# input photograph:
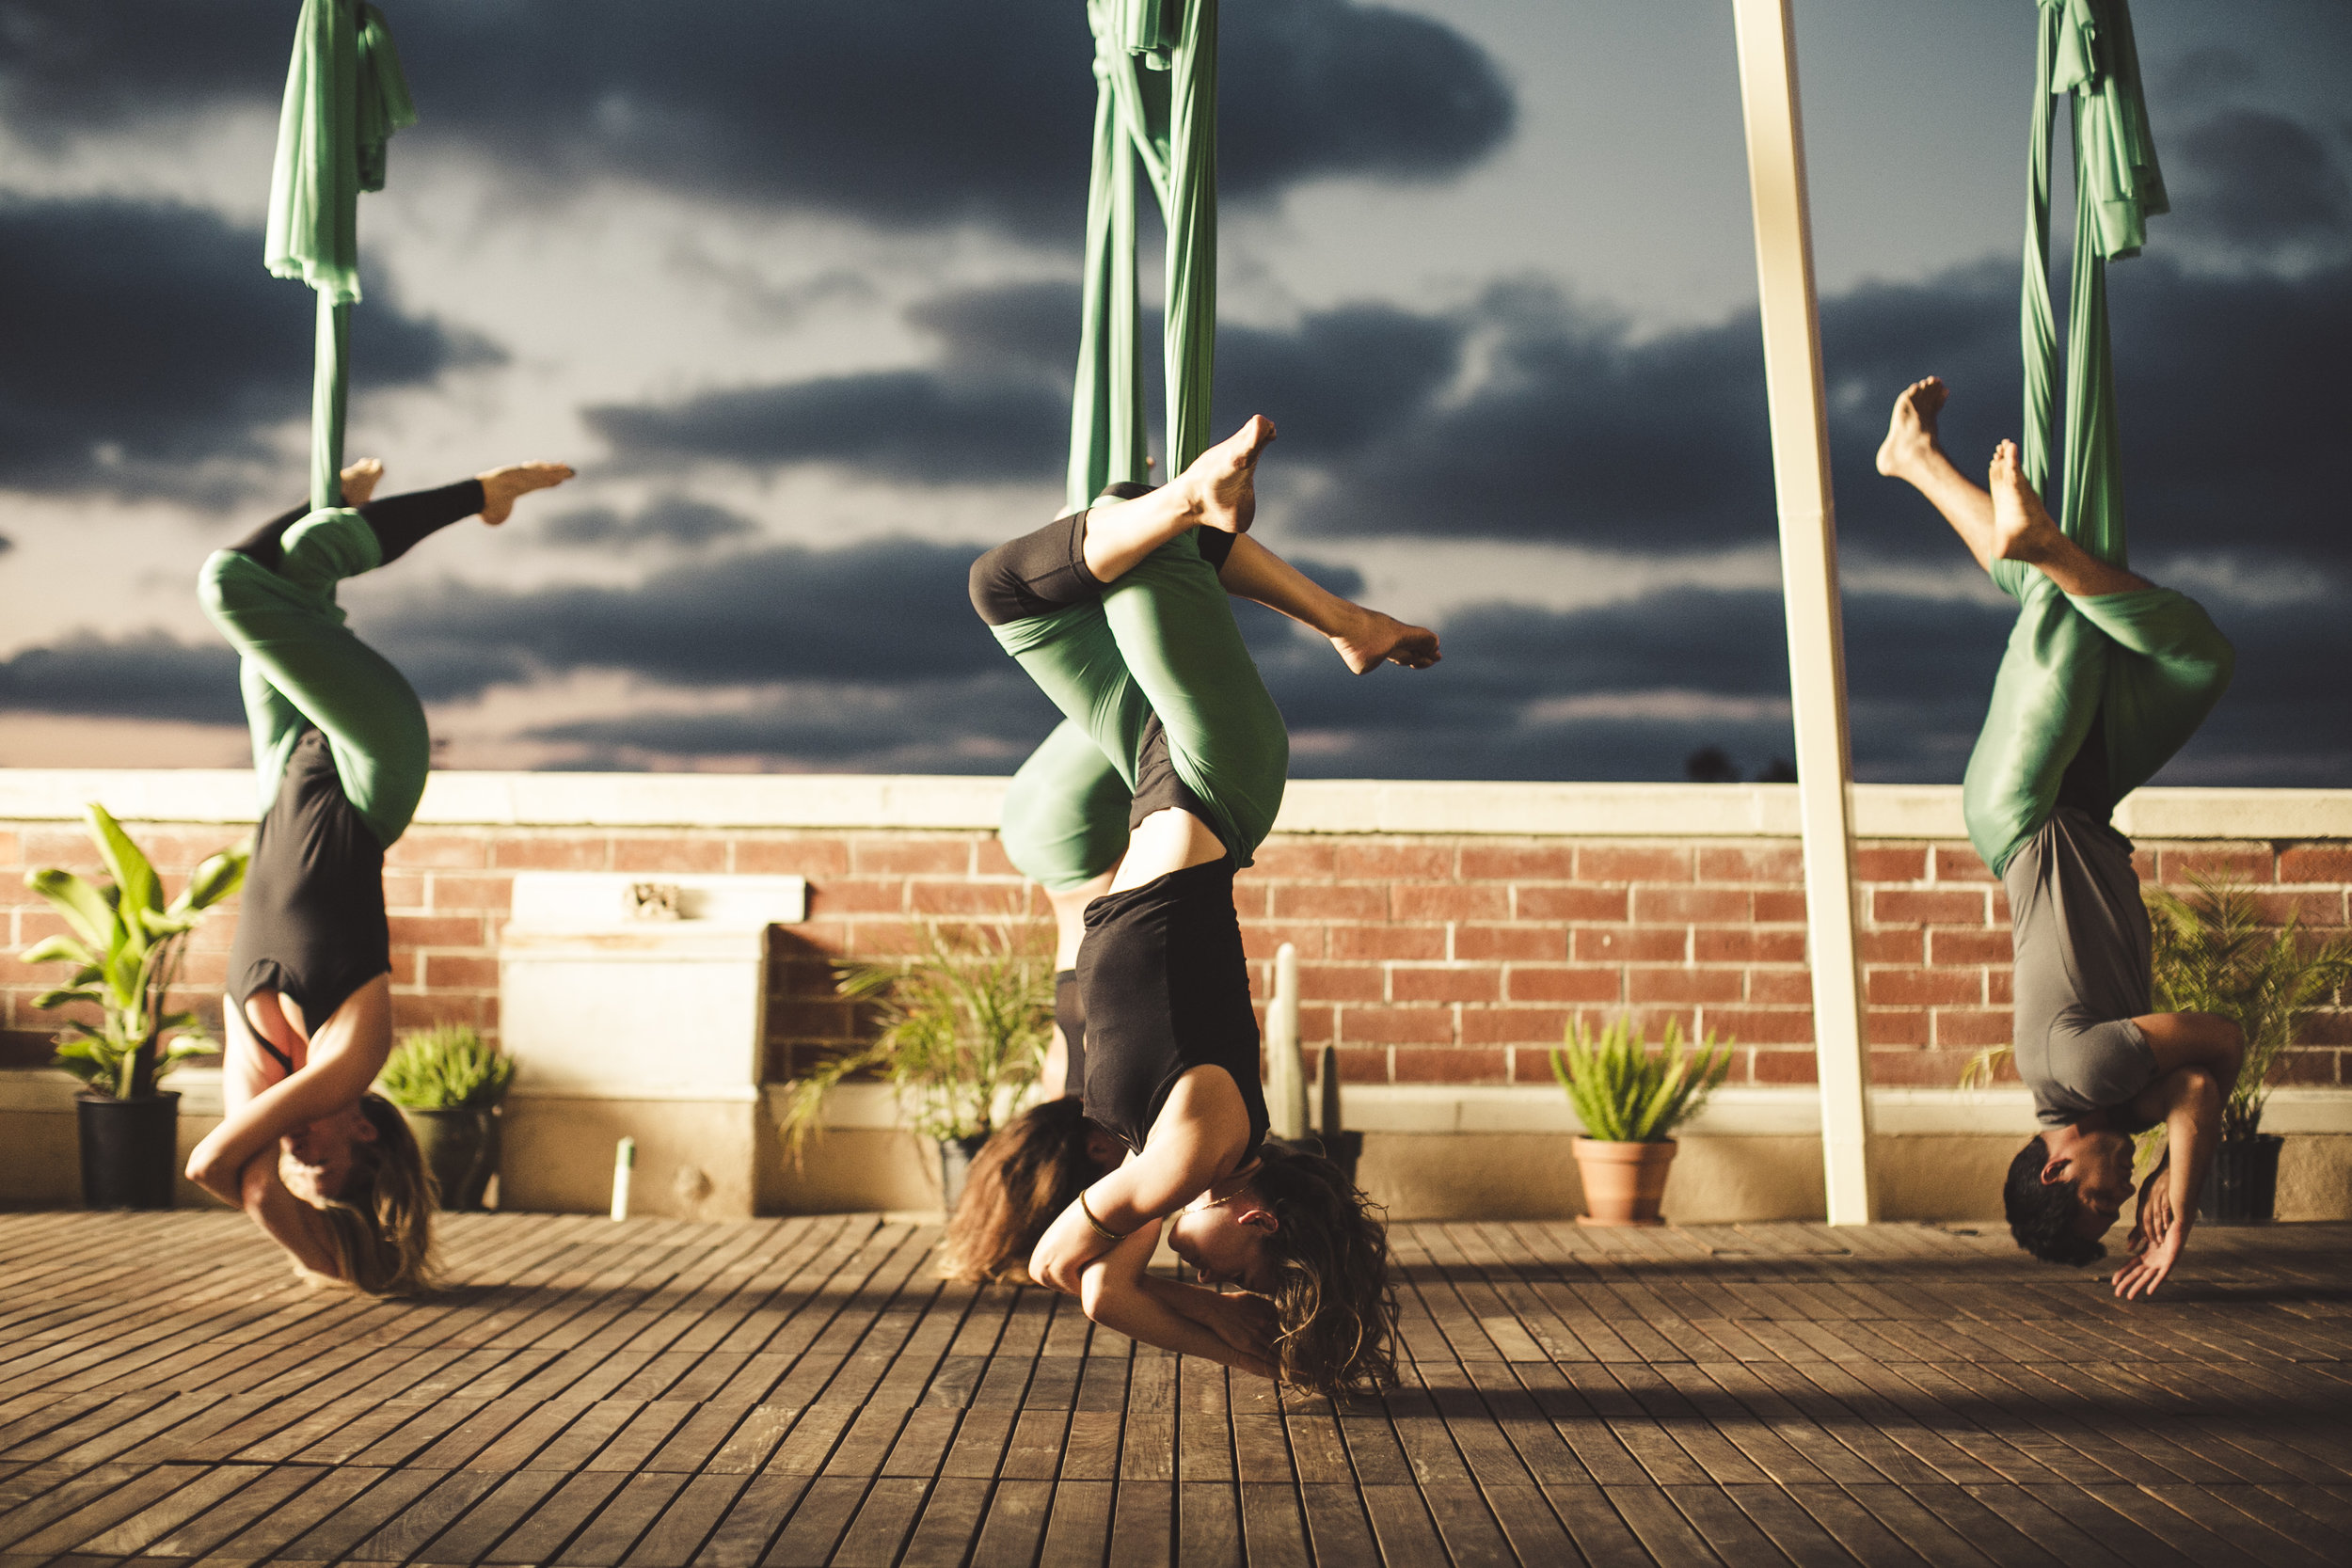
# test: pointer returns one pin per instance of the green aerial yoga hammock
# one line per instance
(344, 98)
(2146, 666)
(1162, 638)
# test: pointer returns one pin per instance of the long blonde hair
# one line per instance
(381, 1223)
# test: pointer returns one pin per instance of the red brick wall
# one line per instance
(1423, 958)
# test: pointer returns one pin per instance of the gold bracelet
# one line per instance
(1100, 1228)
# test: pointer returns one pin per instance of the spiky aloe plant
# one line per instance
(126, 950)
(1623, 1093)
(446, 1068)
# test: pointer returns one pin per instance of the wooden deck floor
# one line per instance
(804, 1391)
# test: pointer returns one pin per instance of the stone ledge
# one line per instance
(946, 803)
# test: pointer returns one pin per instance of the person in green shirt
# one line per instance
(2106, 677)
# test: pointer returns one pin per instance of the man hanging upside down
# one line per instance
(2105, 678)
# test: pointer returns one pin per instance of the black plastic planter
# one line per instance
(461, 1149)
(130, 1150)
(2242, 1185)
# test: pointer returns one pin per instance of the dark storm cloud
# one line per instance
(997, 406)
(687, 523)
(148, 675)
(2263, 180)
(914, 114)
(1582, 435)
(876, 613)
(137, 340)
(982, 724)
(936, 427)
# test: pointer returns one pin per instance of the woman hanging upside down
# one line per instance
(1118, 614)
(2106, 677)
(1065, 827)
(340, 747)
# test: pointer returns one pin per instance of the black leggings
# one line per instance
(398, 521)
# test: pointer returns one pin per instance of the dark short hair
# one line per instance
(2041, 1214)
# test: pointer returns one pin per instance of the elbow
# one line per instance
(2200, 1092)
(1094, 1291)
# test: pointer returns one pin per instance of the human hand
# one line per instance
(2153, 1222)
(2150, 1269)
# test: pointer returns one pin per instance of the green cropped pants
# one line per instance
(1159, 644)
(301, 667)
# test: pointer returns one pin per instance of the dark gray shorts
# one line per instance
(2082, 953)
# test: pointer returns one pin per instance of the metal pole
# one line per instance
(1808, 557)
(1286, 1076)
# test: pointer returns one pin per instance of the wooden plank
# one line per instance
(410, 1532)
(1143, 1522)
(950, 1524)
(692, 1514)
(1014, 1525)
(815, 1525)
(755, 1519)
(625, 1516)
(1077, 1530)
(555, 1518)
(1407, 1536)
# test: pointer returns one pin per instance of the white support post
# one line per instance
(1808, 556)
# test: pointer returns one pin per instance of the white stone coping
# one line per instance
(952, 803)
(1428, 1108)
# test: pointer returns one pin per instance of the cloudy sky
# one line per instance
(794, 286)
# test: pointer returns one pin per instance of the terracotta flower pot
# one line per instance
(1624, 1183)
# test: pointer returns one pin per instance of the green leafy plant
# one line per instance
(446, 1068)
(2212, 955)
(964, 1029)
(126, 948)
(1623, 1093)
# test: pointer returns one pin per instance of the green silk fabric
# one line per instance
(1156, 633)
(301, 667)
(1155, 109)
(2145, 666)
(345, 95)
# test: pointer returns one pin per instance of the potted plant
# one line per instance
(448, 1084)
(1630, 1100)
(963, 1032)
(126, 946)
(2213, 956)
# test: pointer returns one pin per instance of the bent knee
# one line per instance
(997, 587)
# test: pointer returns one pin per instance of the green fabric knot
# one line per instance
(345, 96)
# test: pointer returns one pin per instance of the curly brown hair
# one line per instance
(1027, 1174)
(1335, 1310)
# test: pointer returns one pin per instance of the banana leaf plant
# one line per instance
(126, 948)
(1623, 1093)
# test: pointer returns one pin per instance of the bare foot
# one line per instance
(501, 486)
(1911, 432)
(2022, 529)
(1224, 479)
(1385, 639)
(361, 480)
